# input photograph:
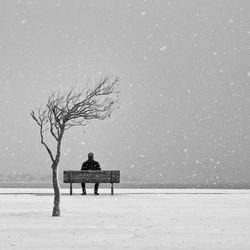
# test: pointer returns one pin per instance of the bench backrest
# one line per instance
(91, 176)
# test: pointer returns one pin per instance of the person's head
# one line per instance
(90, 156)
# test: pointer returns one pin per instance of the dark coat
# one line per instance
(91, 165)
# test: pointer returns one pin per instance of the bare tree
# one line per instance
(74, 108)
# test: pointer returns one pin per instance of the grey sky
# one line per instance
(185, 85)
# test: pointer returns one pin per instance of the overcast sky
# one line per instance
(184, 68)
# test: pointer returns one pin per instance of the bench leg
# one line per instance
(71, 189)
(112, 189)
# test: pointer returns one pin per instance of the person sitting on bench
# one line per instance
(90, 164)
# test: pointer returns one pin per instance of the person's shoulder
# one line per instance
(97, 165)
(85, 163)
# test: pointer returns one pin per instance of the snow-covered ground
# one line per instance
(131, 219)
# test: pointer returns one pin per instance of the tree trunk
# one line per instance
(57, 194)
(56, 186)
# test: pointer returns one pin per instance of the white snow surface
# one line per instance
(131, 219)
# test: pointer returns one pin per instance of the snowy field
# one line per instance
(131, 219)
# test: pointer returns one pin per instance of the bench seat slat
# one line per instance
(90, 176)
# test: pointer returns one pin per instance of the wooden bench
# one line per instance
(91, 176)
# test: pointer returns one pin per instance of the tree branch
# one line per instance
(76, 108)
(40, 120)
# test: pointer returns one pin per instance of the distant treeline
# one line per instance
(46, 184)
(21, 180)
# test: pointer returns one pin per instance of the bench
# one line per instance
(91, 176)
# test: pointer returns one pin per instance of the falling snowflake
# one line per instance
(143, 13)
(163, 48)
